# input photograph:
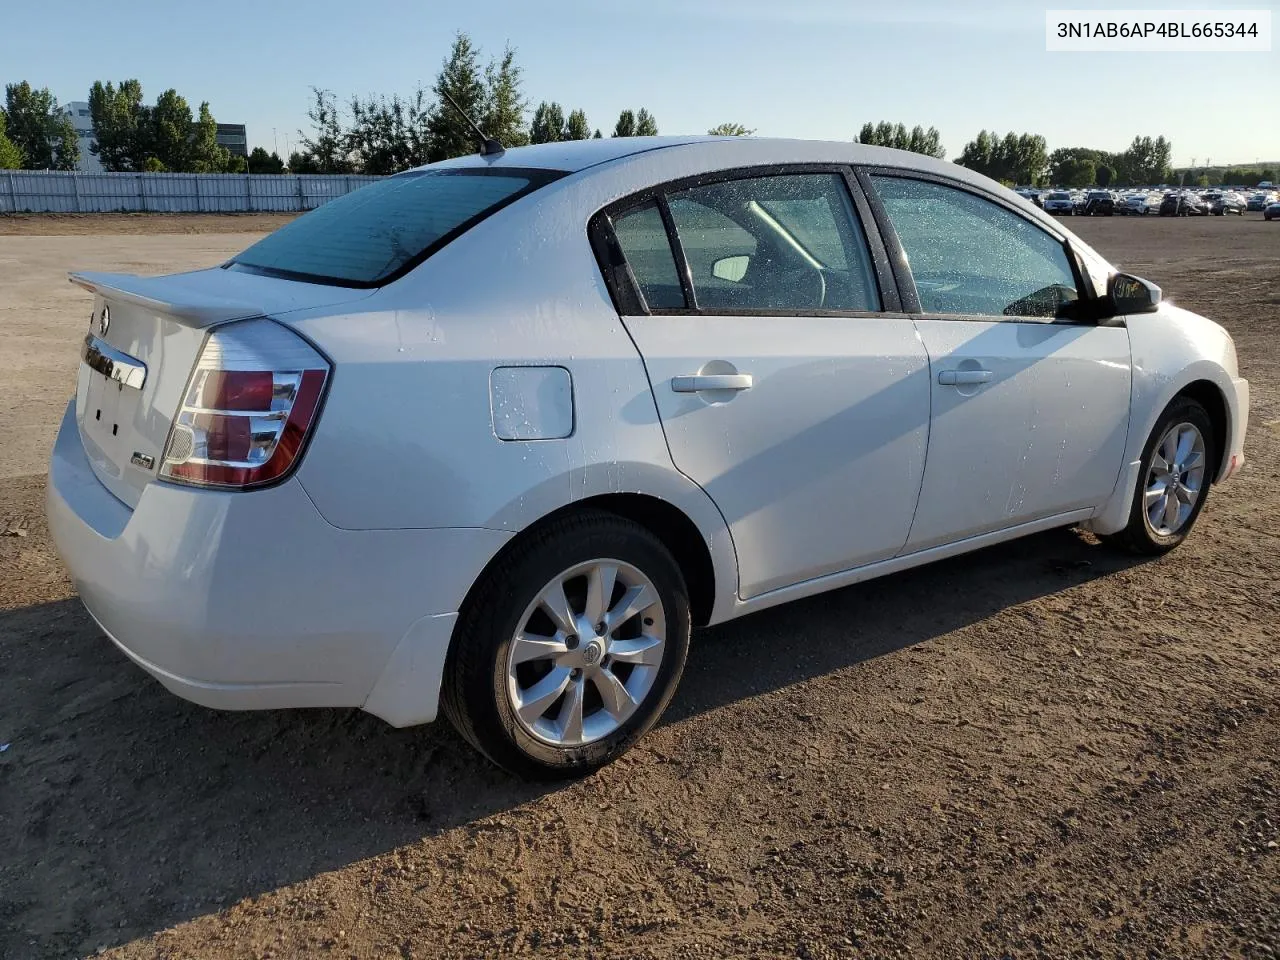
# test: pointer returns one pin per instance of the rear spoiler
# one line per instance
(184, 302)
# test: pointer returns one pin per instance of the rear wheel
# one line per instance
(570, 648)
(1174, 480)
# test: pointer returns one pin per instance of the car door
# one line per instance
(1029, 410)
(785, 388)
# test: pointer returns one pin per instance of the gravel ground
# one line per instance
(1040, 750)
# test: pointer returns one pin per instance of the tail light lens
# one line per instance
(248, 408)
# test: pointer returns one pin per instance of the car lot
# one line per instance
(1039, 749)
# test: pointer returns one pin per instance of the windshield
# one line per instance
(379, 232)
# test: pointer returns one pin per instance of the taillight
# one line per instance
(248, 407)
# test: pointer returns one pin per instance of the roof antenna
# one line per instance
(488, 146)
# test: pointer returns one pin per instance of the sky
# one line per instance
(793, 68)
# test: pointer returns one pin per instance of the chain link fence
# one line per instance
(26, 191)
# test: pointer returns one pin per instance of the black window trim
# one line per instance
(901, 268)
(538, 178)
(627, 297)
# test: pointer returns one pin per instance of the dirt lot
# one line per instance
(1041, 750)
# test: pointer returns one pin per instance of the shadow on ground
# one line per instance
(165, 810)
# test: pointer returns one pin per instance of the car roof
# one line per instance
(573, 156)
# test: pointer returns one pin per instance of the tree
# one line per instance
(576, 126)
(1105, 174)
(1077, 172)
(300, 163)
(729, 130)
(43, 135)
(1146, 161)
(66, 145)
(1015, 158)
(388, 136)
(120, 121)
(10, 155)
(646, 125)
(626, 125)
(548, 123)
(262, 162)
(171, 131)
(504, 103)
(449, 134)
(918, 140)
(204, 153)
(327, 147)
(596, 135)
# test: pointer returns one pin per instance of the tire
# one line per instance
(481, 679)
(1140, 535)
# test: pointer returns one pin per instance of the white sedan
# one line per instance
(494, 434)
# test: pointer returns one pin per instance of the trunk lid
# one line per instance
(135, 366)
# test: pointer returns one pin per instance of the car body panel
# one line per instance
(838, 414)
(1046, 435)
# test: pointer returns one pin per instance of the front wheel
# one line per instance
(1174, 480)
(569, 648)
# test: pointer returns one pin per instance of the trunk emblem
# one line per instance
(142, 460)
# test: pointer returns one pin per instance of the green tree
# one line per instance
(171, 131)
(39, 129)
(66, 145)
(10, 155)
(596, 135)
(917, 140)
(300, 162)
(204, 154)
(262, 162)
(646, 124)
(448, 132)
(729, 130)
(576, 126)
(504, 102)
(387, 136)
(327, 146)
(626, 125)
(1105, 174)
(548, 123)
(1202, 180)
(1016, 158)
(1077, 172)
(120, 125)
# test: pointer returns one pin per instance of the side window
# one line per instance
(643, 239)
(971, 256)
(786, 242)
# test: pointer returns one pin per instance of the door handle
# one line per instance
(711, 381)
(951, 378)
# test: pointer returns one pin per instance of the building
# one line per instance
(79, 114)
(233, 137)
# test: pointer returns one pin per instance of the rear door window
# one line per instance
(787, 242)
(379, 232)
(643, 240)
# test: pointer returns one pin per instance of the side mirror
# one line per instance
(732, 269)
(1129, 294)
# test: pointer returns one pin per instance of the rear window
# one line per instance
(379, 232)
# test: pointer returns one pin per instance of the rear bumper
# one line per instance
(252, 600)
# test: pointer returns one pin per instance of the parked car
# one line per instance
(491, 435)
(1059, 203)
(1258, 201)
(1271, 211)
(1099, 203)
(1224, 202)
(1137, 204)
(1177, 204)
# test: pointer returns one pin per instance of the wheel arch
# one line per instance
(671, 525)
(1210, 396)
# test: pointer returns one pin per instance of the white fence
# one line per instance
(25, 191)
